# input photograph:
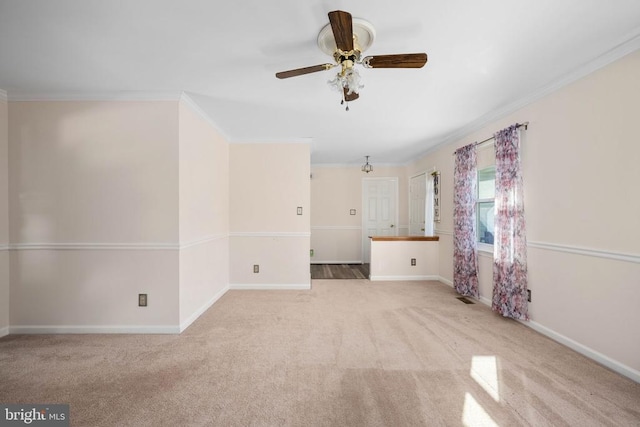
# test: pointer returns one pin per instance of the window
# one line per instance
(485, 208)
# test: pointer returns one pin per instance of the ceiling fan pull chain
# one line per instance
(347, 109)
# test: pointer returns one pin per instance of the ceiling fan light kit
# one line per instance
(345, 38)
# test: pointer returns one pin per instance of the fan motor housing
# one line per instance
(340, 56)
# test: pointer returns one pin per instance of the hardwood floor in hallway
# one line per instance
(339, 271)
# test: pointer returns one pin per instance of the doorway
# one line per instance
(417, 199)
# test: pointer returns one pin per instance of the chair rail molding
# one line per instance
(336, 227)
(578, 250)
(269, 234)
(94, 246)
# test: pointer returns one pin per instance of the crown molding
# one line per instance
(335, 165)
(96, 96)
(116, 96)
(184, 97)
(358, 165)
(299, 140)
(189, 101)
(629, 44)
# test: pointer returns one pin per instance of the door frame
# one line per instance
(410, 211)
(365, 210)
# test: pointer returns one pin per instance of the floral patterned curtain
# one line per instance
(510, 243)
(465, 256)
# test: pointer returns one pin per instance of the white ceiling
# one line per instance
(485, 58)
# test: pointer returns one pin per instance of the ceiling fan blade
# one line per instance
(350, 97)
(402, 60)
(305, 70)
(342, 26)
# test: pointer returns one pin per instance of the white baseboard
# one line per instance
(486, 301)
(574, 345)
(184, 325)
(389, 278)
(67, 329)
(270, 286)
(585, 351)
(4, 331)
(445, 281)
(313, 261)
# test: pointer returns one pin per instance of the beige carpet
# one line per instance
(347, 353)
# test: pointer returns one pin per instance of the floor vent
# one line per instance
(465, 300)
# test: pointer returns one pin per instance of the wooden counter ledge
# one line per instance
(404, 238)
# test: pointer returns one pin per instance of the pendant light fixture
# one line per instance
(366, 168)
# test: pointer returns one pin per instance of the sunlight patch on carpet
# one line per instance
(484, 370)
(473, 414)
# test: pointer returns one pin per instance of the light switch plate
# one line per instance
(299, 210)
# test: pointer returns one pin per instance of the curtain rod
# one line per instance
(518, 125)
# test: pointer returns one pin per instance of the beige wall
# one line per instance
(336, 236)
(93, 215)
(392, 260)
(579, 160)
(4, 217)
(268, 182)
(93, 172)
(204, 213)
(87, 291)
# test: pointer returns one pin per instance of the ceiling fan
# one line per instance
(345, 38)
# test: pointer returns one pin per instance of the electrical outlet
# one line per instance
(529, 295)
(142, 300)
(413, 261)
(256, 268)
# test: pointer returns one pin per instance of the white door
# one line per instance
(417, 199)
(379, 210)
